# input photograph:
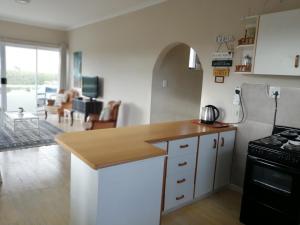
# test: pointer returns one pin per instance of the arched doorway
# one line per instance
(176, 88)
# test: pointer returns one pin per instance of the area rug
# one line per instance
(23, 139)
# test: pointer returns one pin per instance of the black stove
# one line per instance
(271, 192)
(282, 147)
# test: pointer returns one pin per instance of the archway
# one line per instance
(176, 88)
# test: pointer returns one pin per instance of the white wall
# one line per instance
(124, 50)
(29, 33)
(181, 98)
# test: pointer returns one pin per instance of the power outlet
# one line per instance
(273, 90)
(236, 97)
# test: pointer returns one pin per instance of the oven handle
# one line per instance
(274, 166)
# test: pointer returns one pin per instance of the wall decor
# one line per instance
(221, 72)
(223, 60)
(219, 79)
(222, 63)
(77, 69)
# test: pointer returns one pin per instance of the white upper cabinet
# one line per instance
(278, 44)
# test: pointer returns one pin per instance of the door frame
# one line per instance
(3, 93)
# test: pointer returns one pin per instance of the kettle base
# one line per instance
(207, 122)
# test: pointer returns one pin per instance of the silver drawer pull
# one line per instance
(297, 61)
(181, 181)
(222, 142)
(182, 164)
(180, 197)
(215, 143)
(184, 146)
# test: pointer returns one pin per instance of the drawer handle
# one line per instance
(182, 164)
(215, 143)
(184, 146)
(297, 61)
(181, 181)
(222, 142)
(180, 197)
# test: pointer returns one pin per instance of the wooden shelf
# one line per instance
(246, 73)
(245, 46)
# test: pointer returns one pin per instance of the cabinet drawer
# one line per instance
(183, 164)
(183, 146)
(179, 190)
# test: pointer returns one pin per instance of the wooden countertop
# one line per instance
(108, 147)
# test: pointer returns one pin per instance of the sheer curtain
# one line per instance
(63, 67)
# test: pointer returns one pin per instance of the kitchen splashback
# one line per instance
(260, 107)
(259, 110)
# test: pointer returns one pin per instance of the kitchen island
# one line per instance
(118, 175)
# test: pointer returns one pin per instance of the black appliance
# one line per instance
(272, 180)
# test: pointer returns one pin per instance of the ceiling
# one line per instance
(68, 14)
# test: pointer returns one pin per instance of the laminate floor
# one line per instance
(35, 191)
(222, 208)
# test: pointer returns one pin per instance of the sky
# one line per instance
(26, 59)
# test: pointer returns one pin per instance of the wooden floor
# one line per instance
(222, 208)
(35, 191)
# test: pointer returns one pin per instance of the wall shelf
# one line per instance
(245, 50)
(246, 46)
(245, 73)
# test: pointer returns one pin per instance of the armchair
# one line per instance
(95, 123)
(59, 109)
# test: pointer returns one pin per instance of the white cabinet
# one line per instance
(214, 162)
(278, 48)
(224, 159)
(180, 175)
(128, 193)
(180, 190)
(206, 164)
(213, 167)
(183, 146)
(162, 145)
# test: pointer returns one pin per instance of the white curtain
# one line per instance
(63, 67)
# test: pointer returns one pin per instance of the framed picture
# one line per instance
(219, 79)
(77, 69)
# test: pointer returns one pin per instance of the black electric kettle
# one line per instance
(209, 114)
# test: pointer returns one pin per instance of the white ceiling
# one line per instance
(68, 14)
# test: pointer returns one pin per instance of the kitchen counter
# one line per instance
(109, 147)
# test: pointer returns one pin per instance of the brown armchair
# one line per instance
(59, 109)
(111, 123)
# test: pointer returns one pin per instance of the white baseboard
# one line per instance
(236, 188)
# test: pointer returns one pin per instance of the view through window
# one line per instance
(31, 73)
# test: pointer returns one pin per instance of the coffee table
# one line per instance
(20, 122)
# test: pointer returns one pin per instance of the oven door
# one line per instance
(269, 176)
(270, 192)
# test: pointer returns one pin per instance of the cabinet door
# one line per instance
(206, 164)
(224, 159)
(278, 44)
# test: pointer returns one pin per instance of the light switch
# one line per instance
(165, 83)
